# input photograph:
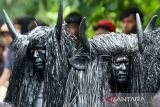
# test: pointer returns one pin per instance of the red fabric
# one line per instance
(105, 23)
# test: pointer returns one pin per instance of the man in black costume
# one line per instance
(90, 78)
(37, 54)
(41, 69)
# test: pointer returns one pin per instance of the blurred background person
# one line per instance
(6, 38)
(73, 21)
(2, 48)
(6, 60)
(128, 20)
(104, 26)
(21, 23)
(8, 54)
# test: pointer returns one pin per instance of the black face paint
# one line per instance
(37, 55)
(121, 69)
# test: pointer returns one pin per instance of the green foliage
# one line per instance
(93, 10)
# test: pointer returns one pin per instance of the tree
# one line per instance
(93, 10)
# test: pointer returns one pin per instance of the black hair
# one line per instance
(73, 17)
(130, 11)
(24, 23)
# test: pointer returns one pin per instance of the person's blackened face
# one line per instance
(121, 69)
(37, 53)
(128, 24)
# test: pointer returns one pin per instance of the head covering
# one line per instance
(24, 84)
(88, 86)
(88, 80)
(108, 25)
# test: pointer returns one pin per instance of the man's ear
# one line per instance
(79, 62)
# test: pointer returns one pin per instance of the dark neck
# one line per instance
(118, 87)
(40, 75)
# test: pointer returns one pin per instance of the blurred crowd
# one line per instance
(27, 23)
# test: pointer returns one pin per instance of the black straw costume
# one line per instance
(88, 82)
(31, 88)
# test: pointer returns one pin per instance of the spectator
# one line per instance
(22, 23)
(128, 20)
(73, 20)
(7, 63)
(6, 38)
(104, 26)
(7, 55)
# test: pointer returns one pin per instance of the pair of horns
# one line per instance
(83, 39)
(58, 25)
(140, 32)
